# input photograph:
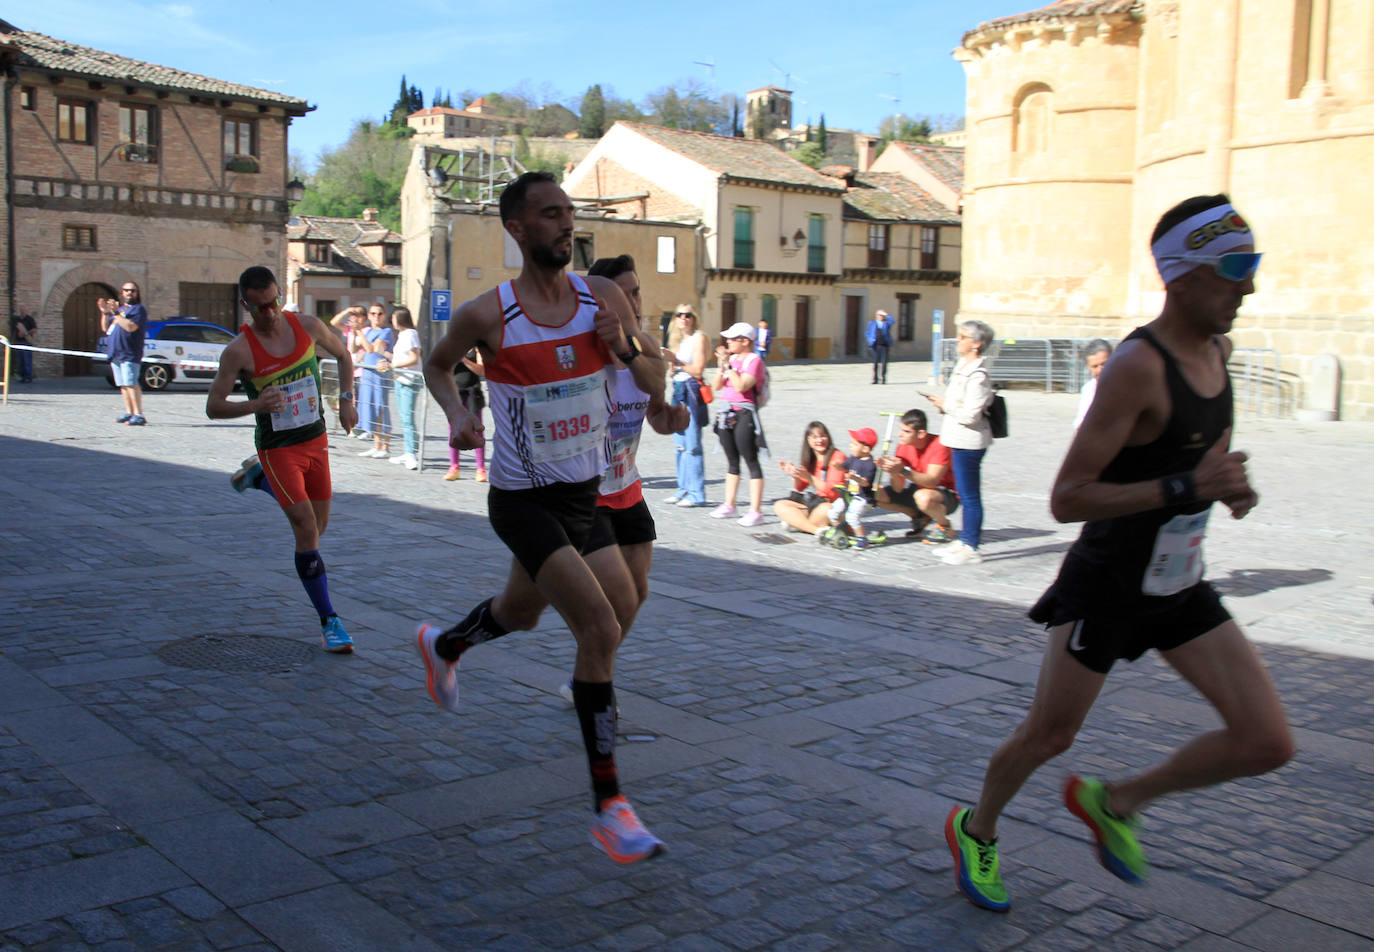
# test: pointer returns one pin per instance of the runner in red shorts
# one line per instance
(275, 360)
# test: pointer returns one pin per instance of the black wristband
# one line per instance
(1178, 489)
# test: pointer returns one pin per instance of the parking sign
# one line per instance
(439, 303)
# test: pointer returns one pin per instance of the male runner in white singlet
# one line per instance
(547, 340)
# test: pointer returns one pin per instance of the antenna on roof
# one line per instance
(895, 100)
(710, 64)
(786, 76)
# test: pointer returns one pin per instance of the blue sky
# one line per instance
(347, 58)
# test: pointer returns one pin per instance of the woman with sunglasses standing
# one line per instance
(374, 414)
(689, 363)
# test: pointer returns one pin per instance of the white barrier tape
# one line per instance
(54, 350)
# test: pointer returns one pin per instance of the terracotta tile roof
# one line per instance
(945, 162)
(37, 51)
(1062, 9)
(346, 236)
(750, 159)
(450, 111)
(888, 196)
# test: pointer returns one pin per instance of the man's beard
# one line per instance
(545, 257)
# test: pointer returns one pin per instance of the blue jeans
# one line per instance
(691, 462)
(406, 395)
(879, 362)
(968, 483)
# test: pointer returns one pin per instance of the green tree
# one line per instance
(820, 134)
(905, 129)
(618, 109)
(367, 171)
(809, 152)
(592, 124)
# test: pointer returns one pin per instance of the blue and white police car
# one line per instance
(179, 349)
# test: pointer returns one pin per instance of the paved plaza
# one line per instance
(182, 767)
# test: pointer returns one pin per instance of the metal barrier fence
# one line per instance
(386, 421)
(1052, 362)
(1260, 385)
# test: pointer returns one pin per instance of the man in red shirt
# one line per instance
(920, 481)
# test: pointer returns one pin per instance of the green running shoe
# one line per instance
(975, 865)
(1117, 848)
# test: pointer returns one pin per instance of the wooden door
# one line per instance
(801, 337)
(853, 317)
(213, 303)
(727, 311)
(81, 326)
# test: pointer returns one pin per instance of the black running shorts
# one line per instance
(907, 498)
(536, 523)
(631, 526)
(1109, 626)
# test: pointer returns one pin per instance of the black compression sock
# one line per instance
(479, 626)
(595, 704)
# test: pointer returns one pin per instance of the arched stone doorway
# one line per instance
(81, 325)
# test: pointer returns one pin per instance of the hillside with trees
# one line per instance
(368, 170)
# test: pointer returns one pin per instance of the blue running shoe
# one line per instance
(617, 832)
(247, 476)
(125, 418)
(334, 637)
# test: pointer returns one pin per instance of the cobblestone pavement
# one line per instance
(797, 720)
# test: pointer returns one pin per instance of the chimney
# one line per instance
(867, 147)
(369, 214)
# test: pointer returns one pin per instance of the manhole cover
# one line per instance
(773, 538)
(237, 653)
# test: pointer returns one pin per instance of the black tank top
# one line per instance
(1124, 543)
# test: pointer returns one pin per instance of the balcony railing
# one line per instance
(815, 259)
(241, 163)
(144, 152)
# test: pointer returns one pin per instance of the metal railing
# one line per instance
(1261, 386)
(387, 420)
(1052, 362)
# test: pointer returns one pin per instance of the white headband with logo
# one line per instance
(1213, 232)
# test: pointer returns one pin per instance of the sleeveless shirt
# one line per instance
(550, 396)
(1159, 552)
(620, 486)
(297, 376)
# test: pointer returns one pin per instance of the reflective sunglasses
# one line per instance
(263, 309)
(1233, 265)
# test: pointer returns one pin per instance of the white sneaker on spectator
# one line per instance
(959, 553)
(408, 461)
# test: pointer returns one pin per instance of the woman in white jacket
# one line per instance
(967, 433)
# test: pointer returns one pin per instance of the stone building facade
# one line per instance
(783, 241)
(460, 245)
(122, 170)
(334, 263)
(1087, 119)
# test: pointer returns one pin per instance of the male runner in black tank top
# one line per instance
(1149, 460)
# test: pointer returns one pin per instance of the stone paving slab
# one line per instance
(803, 718)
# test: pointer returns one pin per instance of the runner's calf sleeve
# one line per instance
(595, 704)
(479, 626)
(310, 567)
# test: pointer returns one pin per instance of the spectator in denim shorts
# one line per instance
(126, 324)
